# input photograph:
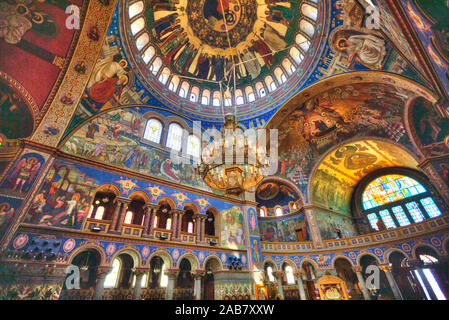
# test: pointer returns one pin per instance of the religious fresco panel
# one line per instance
(284, 229)
(333, 226)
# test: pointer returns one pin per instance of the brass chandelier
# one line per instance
(233, 163)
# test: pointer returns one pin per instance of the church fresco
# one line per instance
(341, 170)
(334, 116)
(64, 198)
(283, 229)
(273, 193)
(232, 228)
(115, 138)
(34, 34)
(431, 131)
(333, 226)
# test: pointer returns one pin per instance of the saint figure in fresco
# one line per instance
(24, 174)
(6, 213)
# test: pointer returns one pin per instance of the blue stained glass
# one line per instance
(400, 216)
(387, 219)
(372, 218)
(431, 207)
(415, 212)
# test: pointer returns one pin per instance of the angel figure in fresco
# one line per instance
(6, 213)
(24, 173)
(366, 49)
(109, 88)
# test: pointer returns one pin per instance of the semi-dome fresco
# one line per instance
(224, 150)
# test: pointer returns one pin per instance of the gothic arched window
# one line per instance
(396, 200)
(153, 131)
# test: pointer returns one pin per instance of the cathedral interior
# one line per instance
(128, 168)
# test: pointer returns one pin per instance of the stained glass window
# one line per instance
(174, 138)
(129, 217)
(431, 208)
(400, 216)
(193, 146)
(390, 188)
(387, 219)
(372, 218)
(415, 212)
(427, 259)
(153, 131)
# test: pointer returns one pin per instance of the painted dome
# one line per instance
(192, 54)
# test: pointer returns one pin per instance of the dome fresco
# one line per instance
(198, 50)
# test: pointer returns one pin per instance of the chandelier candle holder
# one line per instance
(233, 162)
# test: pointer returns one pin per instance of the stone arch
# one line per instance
(86, 247)
(289, 261)
(132, 251)
(270, 261)
(193, 206)
(341, 256)
(213, 257)
(169, 200)
(164, 255)
(140, 194)
(366, 253)
(420, 244)
(311, 261)
(389, 251)
(445, 245)
(109, 187)
(193, 259)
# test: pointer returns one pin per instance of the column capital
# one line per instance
(278, 274)
(140, 272)
(357, 269)
(298, 274)
(172, 273)
(124, 200)
(178, 212)
(103, 271)
(385, 267)
(198, 274)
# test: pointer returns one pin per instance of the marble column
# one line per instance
(122, 216)
(198, 275)
(180, 214)
(393, 285)
(302, 293)
(365, 292)
(153, 217)
(278, 275)
(203, 227)
(116, 215)
(99, 287)
(171, 274)
(175, 224)
(139, 273)
(146, 222)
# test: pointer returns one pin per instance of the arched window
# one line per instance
(164, 277)
(128, 217)
(153, 131)
(270, 273)
(148, 55)
(397, 200)
(193, 146)
(262, 212)
(135, 9)
(190, 227)
(99, 213)
(278, 211)
(168, 225)
(112, 278)
(155, 222)
(174, 138)
(137, 25)
(289, 275)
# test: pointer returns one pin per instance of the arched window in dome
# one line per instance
(279, 212)
(148, 55)
(193, 146)
(216, 99)
(270, 83)
(174, 137)
(302, 42)
(112, 277)
(135, 9)
(250, 94)
(262, 212)
(137, 26)
(288, 66)
(239, 97)
(280, 75)
(165, 74)
(396, 200)
(184, 89)
(153, 130)
(194, 94)
(174, 82)
(156, 65)
(307, 27)
(296, 55)
(309, 11)
(260, 89)
(142, 41)
(205, 97)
